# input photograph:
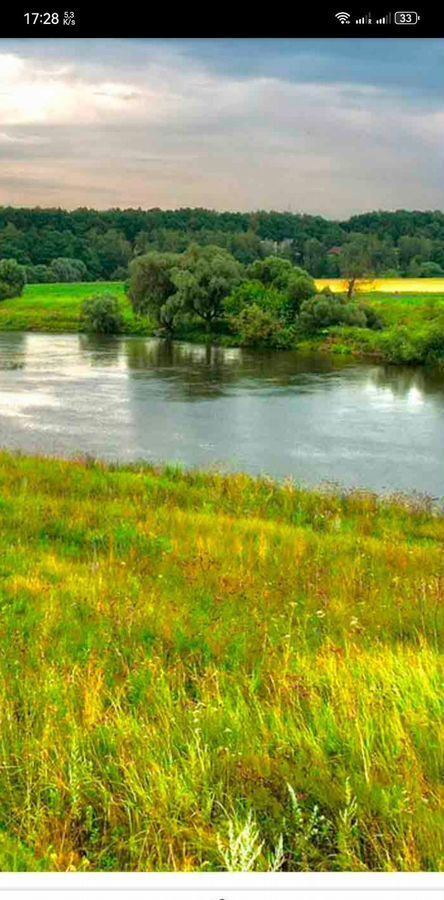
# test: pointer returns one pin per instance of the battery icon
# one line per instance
(406, 18)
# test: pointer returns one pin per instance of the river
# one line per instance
(309, 418)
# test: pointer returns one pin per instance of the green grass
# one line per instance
(410, 310)
(413, 330)
(57, 308)
(202, 672)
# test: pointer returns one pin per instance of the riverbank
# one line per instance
(412, 333)
(202, 672)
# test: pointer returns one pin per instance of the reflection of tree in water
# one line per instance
(405, 380)
(100, 350)
(13, 351)
(194, 371)
(158, 353)
(205, 371)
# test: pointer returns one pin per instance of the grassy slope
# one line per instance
(56, 307)
(201, 672)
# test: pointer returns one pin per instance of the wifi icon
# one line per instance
(343, 18)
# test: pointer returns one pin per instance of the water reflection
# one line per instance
(197, 372)
(101, 351)
(405, 380)
(13, 354)
(309, 417)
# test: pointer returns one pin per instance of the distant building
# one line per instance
(277, 246)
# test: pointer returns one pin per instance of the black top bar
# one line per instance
(404, 20)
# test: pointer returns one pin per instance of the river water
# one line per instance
(277, 413)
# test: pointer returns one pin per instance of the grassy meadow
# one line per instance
(209, 673)
(57, 307)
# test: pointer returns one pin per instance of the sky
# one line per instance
(329, 127)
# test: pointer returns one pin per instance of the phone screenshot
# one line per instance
(222, 453)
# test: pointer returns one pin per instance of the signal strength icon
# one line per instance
(384, 20)
(343, 18)
(364, 20)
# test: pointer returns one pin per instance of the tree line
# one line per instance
(88, 245)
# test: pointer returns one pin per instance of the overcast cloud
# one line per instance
(314, 126)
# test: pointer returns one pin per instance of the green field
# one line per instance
(57, 308)
(205, 673)
(406, 309)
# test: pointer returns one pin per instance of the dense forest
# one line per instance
(86, 244)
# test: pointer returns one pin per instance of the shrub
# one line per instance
(256, 327)
(101, 315)
(326, 309)
(430, 270)
(413, 348)
(12, 279)
(373, 319)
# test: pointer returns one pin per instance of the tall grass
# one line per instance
(202, 672)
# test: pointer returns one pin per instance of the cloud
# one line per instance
(169, 130)
(16, 139)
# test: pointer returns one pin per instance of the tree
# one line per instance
(68, 270)
(291, 281)
(364, 256)
(430, 270)
(245, 247)
(413, 250)
(12, 279)
(314, 258)
(113, 251)
(204, 279)
(254, 293)
(272, 270)
(51, 243)
(151, 287)
(39, 275)
(13, 244)
(101, 315)
(300, 287)
(355, 261)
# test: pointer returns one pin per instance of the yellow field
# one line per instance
(389, 285)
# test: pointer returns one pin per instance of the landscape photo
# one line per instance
(221, 455)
